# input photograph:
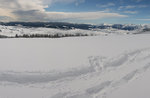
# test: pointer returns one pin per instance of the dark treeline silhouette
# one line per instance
(146, 29)
(49, 35)
(45, 35)
(3, 36)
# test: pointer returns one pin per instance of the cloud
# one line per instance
(137, 0)
(132, 7)
(143, 19)
(34, 10)
(106, 5)
(76, 2)
(131, 12)
(3, 18)
(35, 15)
(85, 15)
(79, 2)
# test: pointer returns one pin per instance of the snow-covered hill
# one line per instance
(12, 31)
(76, 67)
(103, 29)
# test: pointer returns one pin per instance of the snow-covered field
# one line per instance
(114, 66)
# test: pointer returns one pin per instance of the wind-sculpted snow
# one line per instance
(99, 78)
(39, 77)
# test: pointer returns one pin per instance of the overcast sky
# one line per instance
(78, 11)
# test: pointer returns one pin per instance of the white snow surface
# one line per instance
(114, 66)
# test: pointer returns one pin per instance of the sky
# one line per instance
(76, 11)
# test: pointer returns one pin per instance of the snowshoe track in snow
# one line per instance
(100, 77)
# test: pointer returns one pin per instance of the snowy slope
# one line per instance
(77, 67)
(12, 31)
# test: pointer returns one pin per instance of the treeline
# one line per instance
(46, 35)
(50, 35)
(146, 29)
(3, 36)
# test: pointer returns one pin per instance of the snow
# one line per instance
(114, 66)
(137, 89)
(11, 31)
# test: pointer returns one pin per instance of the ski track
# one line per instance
(94, 81)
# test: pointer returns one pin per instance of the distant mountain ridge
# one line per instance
(68, 26)
(61, 29)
